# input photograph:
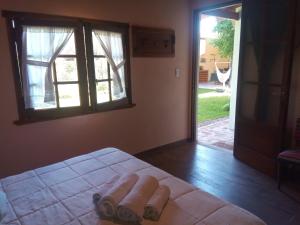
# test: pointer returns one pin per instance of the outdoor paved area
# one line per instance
(216, 133)
(212, 85)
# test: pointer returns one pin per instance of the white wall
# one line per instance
(234, 74)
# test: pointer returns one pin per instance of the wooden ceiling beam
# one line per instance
(224, 14)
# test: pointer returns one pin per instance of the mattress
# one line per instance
(61, 194)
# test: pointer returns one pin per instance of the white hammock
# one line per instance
(223, 77)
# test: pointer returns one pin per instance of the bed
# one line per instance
(61, 194)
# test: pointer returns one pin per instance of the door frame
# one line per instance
(195, 61)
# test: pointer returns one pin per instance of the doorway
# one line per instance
(217, 75)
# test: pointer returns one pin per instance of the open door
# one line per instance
(264, 76)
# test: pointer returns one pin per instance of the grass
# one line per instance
(204, 90)
(211, 108)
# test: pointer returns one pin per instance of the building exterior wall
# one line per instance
(209, 57)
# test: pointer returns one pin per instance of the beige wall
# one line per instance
(161, 114)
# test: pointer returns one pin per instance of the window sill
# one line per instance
(72, 114)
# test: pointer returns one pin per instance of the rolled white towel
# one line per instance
(107, 206)
(131, 208)
(104, 189)
(157, 202)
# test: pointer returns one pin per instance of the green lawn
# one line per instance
(212, 108)
(204, 90)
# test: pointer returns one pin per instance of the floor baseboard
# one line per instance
(170, 145)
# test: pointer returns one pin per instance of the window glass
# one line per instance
(102, 92)
(101, 68)
(116, 93)
(111, 68)
(62, 64)
(41, 47)
(37, 98)
(66, 69)
(68, 95)
(69, 48)
(97, 49)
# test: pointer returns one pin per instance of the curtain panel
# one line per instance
(112, 46)
(40, 47)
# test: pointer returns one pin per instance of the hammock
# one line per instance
(223, 77)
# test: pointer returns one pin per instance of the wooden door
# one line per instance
(264, 75)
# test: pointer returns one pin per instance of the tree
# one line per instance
(224, 41)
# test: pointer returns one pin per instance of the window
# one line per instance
(68, 66)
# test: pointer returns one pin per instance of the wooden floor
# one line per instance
(218, 172)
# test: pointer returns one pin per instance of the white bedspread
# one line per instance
(61, 194)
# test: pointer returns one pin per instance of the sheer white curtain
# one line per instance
(40, 47)
(112, 45)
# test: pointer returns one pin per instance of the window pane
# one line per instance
(68, 95)
(272, 108)
(39, 45)
(102, 92)
(116, 95)
(273, 61)
(251, 64)
(101, 68)
(118, 89)
(248, 101)
(37, 91)
(114, 46)
(113, 43)
(42, 42)
(69, 48)
(98, 50)
(277, 29)
(66, 69)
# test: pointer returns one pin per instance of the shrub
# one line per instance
(226, 107)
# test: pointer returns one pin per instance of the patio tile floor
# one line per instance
(216, 133)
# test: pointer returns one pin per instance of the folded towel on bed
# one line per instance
(3, 205)
(131, 208)
(103, 189)
(156, 203)
(107, 206)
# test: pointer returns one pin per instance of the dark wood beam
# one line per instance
(223, 13)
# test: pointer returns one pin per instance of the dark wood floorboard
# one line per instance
(219, 173)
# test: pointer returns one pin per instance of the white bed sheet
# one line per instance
(61, 194)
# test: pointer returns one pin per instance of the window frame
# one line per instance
(85, 63)
(119, 28)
